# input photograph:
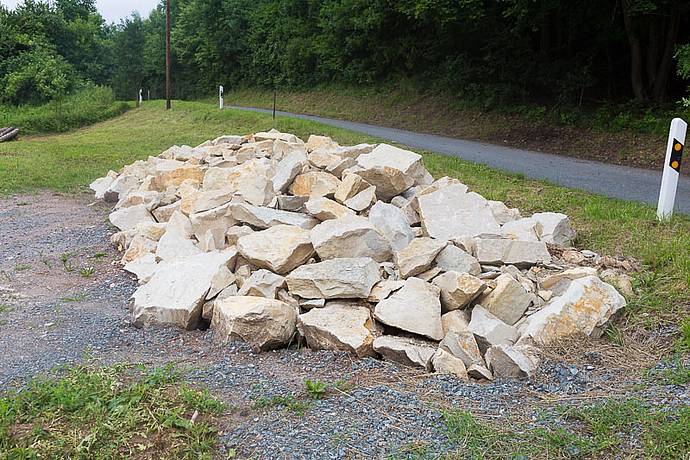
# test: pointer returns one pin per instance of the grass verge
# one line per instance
(624, 429)
(85, 107)
(112, 412)
(68, 162)
(620, 134)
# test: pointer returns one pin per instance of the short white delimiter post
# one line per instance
(221, 102)
(669, 180)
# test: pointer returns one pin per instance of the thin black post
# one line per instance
(274, 106)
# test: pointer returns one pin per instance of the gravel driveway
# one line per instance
(64, 300)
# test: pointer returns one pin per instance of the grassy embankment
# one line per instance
(626, 134)
(85, 107)
(68, 162)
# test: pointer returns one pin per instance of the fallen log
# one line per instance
(7, 134)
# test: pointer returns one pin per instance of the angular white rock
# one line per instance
(415, 308)
(444, 362)
(584, 308)
(451, 213)
(512, 361)
(490, 330)
(280, 249)
(405, 350)
(508, 301)
(324, 209)
(176, 292)
(458, 289)
(351, 236)
(264, 323)
(452, 258)
(418, 256)
(129, 218)
(556, 228)
(262, 217)
(510, 252)
(391, 222)
(338, 327)
(262, 283)
(346, 278)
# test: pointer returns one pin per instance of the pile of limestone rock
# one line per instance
(278, 242)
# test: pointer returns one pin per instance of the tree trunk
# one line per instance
(666, 64)
(636, 78)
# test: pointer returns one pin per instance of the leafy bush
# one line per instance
(87, 106)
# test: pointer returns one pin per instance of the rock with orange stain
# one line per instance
(583, 309)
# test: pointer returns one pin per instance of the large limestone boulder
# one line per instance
(489, 330)
(510, 252)
(338, 327)
(129, 218)
(262, 217)
(458, 289)
(351, 236)
(418, 256)
(177, 290)
(264, 323)
(584, 308)
(279, 249)
(508, 301)
(450, 212)
(406, 351)
(348, 278)
(556, 228)
(391, 222)
(415, 308)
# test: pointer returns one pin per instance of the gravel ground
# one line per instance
(54, 311)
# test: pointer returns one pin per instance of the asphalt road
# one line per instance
(634, 184)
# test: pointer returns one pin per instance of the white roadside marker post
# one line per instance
(669, 180)
(141, 97)
(221, 102)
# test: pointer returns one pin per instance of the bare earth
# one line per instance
(53, 312)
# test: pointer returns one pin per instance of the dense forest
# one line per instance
(489, 51)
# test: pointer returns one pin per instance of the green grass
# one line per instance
(84, 107)
(112, 412)
(68, 162)
(628, 429)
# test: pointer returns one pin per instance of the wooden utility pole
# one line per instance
(167, 56)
